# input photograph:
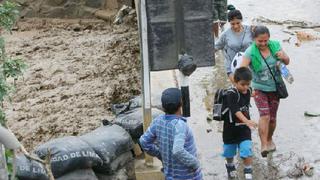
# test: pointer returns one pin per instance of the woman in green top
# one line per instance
(262, 51)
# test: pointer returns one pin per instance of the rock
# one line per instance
(56, 2)
(36, 48)
(76, 28)
(94, 3)
(53, 12)
(105, 15)
(22, 2)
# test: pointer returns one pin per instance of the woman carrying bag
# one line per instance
(234, 40)
(262, 57)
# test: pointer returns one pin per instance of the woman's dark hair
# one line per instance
(231, 7)
(234, 14)
(242, 73)
(258, 30)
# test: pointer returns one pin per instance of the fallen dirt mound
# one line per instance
(67, 8)
(76, 70)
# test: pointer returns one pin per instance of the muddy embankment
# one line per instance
(68, 8)
(76, 70)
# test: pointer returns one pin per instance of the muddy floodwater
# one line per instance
(297, 137)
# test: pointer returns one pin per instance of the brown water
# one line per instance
(296, 136)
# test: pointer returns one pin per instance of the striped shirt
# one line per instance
(170, 139)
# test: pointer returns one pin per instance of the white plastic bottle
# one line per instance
(286, 73)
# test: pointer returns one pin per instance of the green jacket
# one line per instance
(274, 47)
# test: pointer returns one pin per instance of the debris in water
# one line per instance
(308, 170)
(304, 36)
(311, 114)
(286, 40)
(209, 117)
(262, 19)
(300, 168)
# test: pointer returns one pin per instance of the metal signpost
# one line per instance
(170, 29)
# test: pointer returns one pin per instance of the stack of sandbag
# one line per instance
(68, 154)
(113, 145)
(103, 154)
(27, 169)
(132, 121)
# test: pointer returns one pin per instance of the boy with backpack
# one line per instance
(237, 123)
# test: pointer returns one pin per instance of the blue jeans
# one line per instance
(245, 149)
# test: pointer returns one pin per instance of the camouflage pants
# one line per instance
(219, 10)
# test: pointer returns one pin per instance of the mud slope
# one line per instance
(76, 70)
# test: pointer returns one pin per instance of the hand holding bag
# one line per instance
(281, 88)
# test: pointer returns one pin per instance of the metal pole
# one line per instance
(179, 13)
(143, 26)
(185, 95)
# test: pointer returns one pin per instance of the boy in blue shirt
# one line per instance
(170, 139)
(236, 128)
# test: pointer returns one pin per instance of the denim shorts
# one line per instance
(245, 149)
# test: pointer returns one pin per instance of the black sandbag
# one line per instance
(127, 172)
(79, 174)
(27, 169)
(68, 154)
(109, 142)
(187, 65)
(127, 106)
(132, 121)
(120, 162)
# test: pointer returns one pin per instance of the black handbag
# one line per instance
(281, 88)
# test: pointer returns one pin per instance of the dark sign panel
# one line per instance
(176, 26)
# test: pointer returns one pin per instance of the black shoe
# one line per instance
(264, 153)
(231, 170)
(247, 173)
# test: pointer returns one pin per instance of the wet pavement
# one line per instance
(297, 137)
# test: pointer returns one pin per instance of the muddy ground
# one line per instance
(297, 137)
(76, 70)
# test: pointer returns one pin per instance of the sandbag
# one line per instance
(109, 142)
(120, 162)
(124, 173)
(68, 154)
(29, 169)
(187, 65)
(79, 174)
(132, 121)
(127, 106)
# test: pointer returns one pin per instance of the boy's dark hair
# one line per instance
(171, 100)
(234, 14)
(260, 30)
(172, 108)
(242, 73)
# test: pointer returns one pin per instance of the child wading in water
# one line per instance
(236, 128)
